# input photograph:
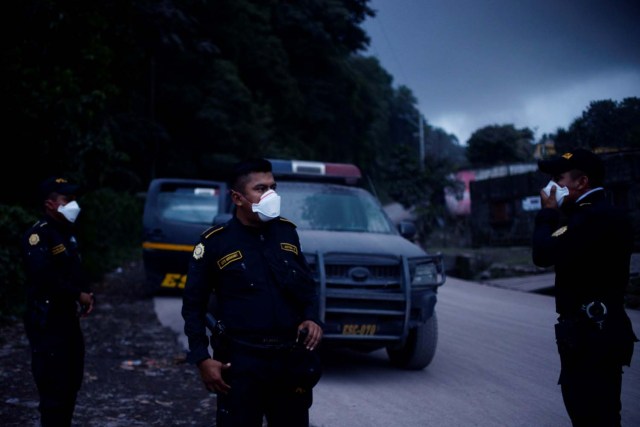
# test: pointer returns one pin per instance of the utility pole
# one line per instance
(421, 139)
(420, 124)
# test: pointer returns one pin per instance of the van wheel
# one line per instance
(149, 286)
(419, 348)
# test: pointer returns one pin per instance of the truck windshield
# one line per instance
(332, 207)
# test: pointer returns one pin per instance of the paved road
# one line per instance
(496, 365)
(536, 283)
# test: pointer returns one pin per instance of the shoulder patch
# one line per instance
(34, 239)
(198, 251)
(289, 247)
(559, 231)
(58, 249)
(285, 220)
(227, 259)
(212, 230)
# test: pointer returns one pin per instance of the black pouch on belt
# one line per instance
(304, 368)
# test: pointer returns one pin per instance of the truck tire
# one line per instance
(419, 348)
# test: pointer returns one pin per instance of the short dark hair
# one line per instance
(241, 170)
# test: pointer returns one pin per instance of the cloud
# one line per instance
(530, 63)
(543, 112)
(549, 111)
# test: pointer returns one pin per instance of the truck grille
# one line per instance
(362, 276)
(346, 271)
(362, 290)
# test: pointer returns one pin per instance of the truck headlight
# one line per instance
(426, 274)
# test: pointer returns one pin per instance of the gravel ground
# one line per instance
(135, 372)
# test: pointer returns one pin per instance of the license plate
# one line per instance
(357, 329)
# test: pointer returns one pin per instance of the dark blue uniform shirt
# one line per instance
(591, 252)
(261, 280)
(54, 273)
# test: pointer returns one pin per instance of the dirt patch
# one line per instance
(135, 372)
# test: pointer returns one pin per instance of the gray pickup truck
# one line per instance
(378, 289)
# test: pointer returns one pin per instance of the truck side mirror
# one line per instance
(407, 229)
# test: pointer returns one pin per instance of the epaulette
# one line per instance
(212, 230)
(39, 224)
(285, 220)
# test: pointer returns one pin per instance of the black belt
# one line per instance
(265, 344)
(595, 312)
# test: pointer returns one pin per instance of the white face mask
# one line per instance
(561, 192)
(70, 211)
(269, 206)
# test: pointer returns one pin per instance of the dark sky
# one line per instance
(531, 63)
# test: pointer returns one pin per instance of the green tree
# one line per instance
(420, 188)
(122, 91)
(604, 124)
(444, 146)
(499, 144)
(58, 88)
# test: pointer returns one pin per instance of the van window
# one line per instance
(190, 205)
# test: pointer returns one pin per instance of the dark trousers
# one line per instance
(57, 365)
(592, 395)
(591, 362)
(260, 389)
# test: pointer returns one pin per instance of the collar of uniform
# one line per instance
(588, 193)
(62, 226)
(255, 230)
(591, 197)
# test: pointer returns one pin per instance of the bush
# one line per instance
(109, 231)
(13, 221)
(110, 228)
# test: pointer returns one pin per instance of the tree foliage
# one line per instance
(443, 146)
(122, 91)
(605, 124)
(499, 144)
(419, 187)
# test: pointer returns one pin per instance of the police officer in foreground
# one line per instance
(57, 296)
(589, 242)
(266, 327)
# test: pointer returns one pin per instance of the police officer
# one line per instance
(57, 295)
(266, 306)
(589, 242)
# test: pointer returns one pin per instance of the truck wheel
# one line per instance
(419, 348)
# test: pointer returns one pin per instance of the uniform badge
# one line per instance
(559, 231)
(227, 259)
(198, 251)
(289, 247)
(58, 249)
(34, 239)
